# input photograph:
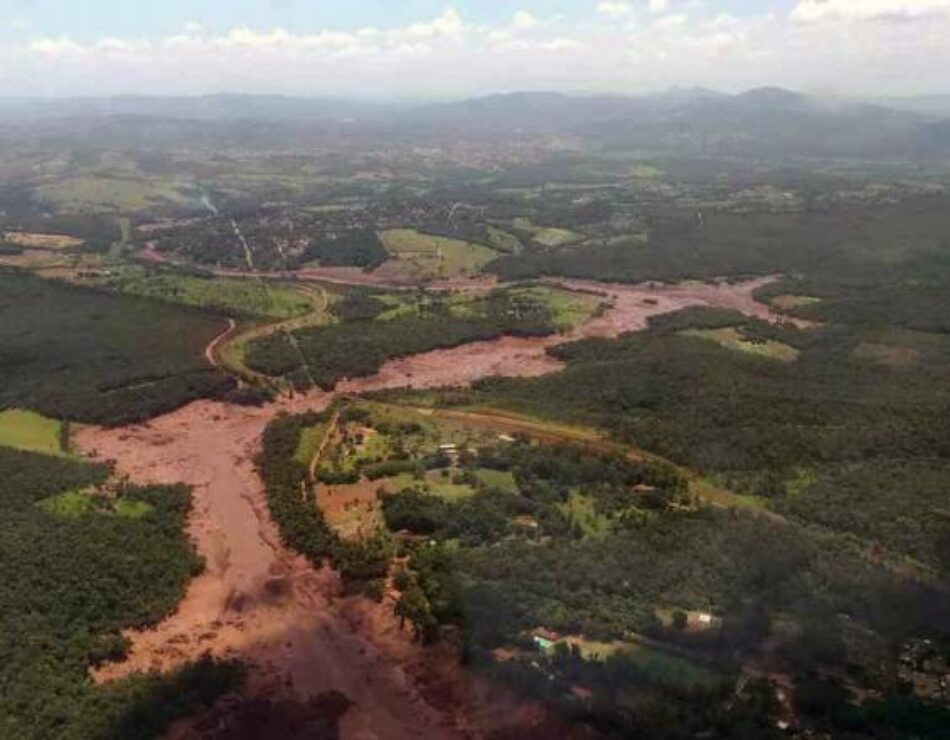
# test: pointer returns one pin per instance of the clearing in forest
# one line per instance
(421, 257)
(547, 236)
(26, 430)
(732, 338)
(787, 302)
(41, 241)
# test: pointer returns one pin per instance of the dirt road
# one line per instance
(261, 603)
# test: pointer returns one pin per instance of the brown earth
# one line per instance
(288, 620)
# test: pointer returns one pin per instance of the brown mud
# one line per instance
(289, 621)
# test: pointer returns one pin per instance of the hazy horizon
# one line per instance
(427, 50)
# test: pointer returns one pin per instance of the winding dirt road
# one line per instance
(287, 620)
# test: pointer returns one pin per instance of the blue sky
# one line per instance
(453, 48)
(89, 19)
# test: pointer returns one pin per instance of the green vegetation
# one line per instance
(80, 354)
(732, 338)
(70, 584)
(327, 354)
(235, 297)
(547, 236)
(861, 244)
(422, 257)
(290, 499)
(75, 504)
(92, 194)
(25, 430)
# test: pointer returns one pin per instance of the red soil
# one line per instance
(287, 620)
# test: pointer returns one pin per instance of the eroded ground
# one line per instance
(287, 620)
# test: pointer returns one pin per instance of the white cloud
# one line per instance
(193, 27)
(659, 6)
(821, 10)
(614, 8)
(668, 21)
(56, 47)
(522, 21)
(448, 54)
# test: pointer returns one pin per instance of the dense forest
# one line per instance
(508, 563)
(859, 244)
(72, 352)
(71, 582)
(783, 431)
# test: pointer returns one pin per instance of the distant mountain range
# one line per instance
(765, 122)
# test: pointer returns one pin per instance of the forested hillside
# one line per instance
(70, 352)
(71, 582)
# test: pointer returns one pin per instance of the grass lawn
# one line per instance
(500, 479)
(307, 446)
(444, 488)
(661, 666)
(25, 430)
(731, 338)
(421, 256)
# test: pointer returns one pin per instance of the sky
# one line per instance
(431, 49)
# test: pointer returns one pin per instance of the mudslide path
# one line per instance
(287, 620)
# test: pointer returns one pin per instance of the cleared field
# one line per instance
(228, 295)
(731, 338)
(110, 194)
(568, 308)
(76, 504)
(309, 439)
(422, 257)
(41, 241)
(26, 430)
(546, 235)
(787, 301)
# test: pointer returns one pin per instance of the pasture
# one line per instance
(421, 257)
(547, 236)
(26, 430)
(111, 193)
(233, 296)
(732, 338)
(41, 241)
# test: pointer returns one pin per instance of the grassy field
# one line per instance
(110, 193)
(25, 430)
(309, 439)
(568, 308)
(787, 301)
(41, 241)
(731, 338)
(77, 504)
(255, 298)
(547, 236)
(422, 257)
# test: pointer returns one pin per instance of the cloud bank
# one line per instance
(844, 46)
